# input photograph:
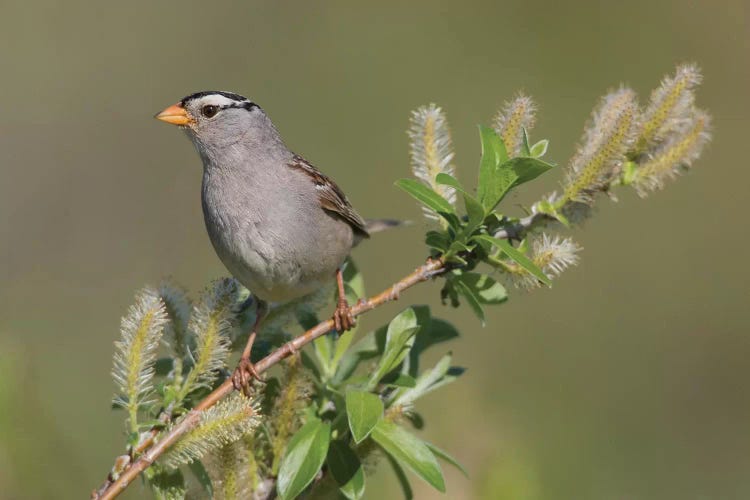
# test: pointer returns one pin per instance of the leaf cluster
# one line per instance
(362, 393)
(467, 238)
(320, 423)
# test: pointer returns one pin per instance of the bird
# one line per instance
(279, 225)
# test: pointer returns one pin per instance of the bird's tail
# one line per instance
(377, 225)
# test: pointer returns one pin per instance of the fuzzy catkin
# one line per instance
(669, 108)
(513, 118)
(141, 331)
(431, 151)
(675, 155)
(605, 142)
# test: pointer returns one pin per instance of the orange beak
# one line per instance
(175, 114)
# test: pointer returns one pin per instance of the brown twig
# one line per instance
(112, 488)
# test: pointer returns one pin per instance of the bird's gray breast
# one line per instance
(268, 229)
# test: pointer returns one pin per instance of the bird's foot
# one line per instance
(244, 375)
(343, 318)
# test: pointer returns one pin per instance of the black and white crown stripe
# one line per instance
(238, 100)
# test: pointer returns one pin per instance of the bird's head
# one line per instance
(215, 119)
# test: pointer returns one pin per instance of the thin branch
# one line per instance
(111, 489)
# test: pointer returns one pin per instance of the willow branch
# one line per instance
(112, 489)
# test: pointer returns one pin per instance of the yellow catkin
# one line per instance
(203, 354)
(211, 325)
(133, 370)
(432, 157)
(662, 111)
(431, 151)
(432, 160)
(511, 120)
(543, 259)
(211, 428)
(512, 131)
(228, 462)
(668, 101)
(604, 147)
(651, 174)
(135, 362)
(224, 423)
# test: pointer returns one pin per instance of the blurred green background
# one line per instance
(627, 379)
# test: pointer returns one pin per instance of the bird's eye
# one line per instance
(209, 110)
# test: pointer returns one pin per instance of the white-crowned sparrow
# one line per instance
(278, 224)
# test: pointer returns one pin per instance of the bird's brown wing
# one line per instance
(331, 198)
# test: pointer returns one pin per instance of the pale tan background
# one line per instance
(627, 380)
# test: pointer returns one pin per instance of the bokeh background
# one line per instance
(627, 380)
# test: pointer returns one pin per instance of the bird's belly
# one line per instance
(274, 282)
(275, 270)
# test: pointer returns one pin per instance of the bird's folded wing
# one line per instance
(331, 198)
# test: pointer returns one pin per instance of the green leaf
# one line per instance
(525, 151)
(323, 346)
(548, 208)
(426, 196)
(401, 476)
(196, 467)
(520, 259)
(445, 456)
(456, 259)
(476, 214)
(540, 148)
(441, 374)
(424, 318)
(370, 346)
(494, 182)
(507, 178)
(471, 299)
(346, 470)
(449, 180)
(303, 458)
(398, 341)
(454, 223)
(484, 288)
(458, 246)
(399, 380)
(526, 168)
(342, 344)
(410, 451)
(437, 240)
(474, 209)
(364, 410)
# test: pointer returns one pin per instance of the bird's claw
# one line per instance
(244, 375)
(343, 318)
